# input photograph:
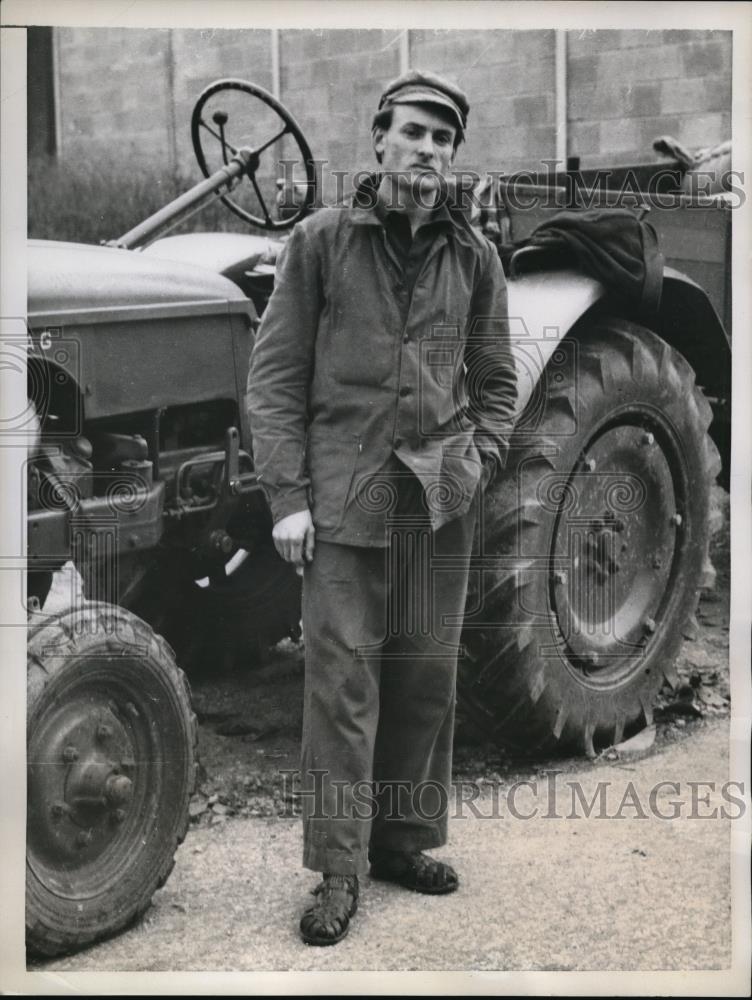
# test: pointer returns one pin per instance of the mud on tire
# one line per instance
(593, 547)
(111, 767)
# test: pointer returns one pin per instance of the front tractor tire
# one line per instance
(592, 548)
(111, 741)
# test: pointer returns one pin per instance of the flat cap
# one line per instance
(423, 87)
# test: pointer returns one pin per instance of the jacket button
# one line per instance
(405, 390)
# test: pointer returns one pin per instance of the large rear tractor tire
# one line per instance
(593, 548)
(111, 768)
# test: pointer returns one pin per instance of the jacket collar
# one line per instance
(365, 209)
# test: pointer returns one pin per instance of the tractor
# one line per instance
(149, 539)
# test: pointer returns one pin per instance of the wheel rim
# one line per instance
(624, 499)
(97, 776)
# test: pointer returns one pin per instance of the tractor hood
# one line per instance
(73, 282)
(224, 253)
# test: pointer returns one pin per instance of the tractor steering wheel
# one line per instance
(215, 127)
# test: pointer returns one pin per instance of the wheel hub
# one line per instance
(97, 785)
(602, 548)
(84, 783)
(614, 549)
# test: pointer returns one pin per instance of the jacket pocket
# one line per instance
(332, 459)
(362, 355)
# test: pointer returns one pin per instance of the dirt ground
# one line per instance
(548, 893)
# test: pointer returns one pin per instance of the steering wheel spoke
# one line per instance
(267, 218)
(270, 142)
(222, 122)
(220, 137)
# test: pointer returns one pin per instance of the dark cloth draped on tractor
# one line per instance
(611, 245)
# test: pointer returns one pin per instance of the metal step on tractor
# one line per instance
(594, 541)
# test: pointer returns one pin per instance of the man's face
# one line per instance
(418, 146)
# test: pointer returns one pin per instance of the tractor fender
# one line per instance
(543, 308)
(688, 321)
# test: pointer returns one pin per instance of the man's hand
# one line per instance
(294, 537)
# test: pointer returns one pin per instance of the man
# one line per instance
(381, 392)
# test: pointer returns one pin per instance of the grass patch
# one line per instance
(100, 199)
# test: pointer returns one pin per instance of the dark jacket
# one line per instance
(348, 370)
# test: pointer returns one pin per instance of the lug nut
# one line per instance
(103, 732)
(58, 810)
(118, 815)
(649, 625)
(657, 563)
(592, 659)
(590, 464)
(70, 755)
(676, 519)
(560, 577)
(118, 789)
(648, 438)
(83, 837)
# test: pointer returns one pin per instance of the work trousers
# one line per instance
(382, 629)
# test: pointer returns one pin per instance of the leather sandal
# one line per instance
(327, 921)
(414, 870)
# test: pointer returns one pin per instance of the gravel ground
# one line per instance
(557, 894)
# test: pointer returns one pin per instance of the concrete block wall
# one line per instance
(112, 91)
(201, 57)
(131, 87)
(132, 90)
(331, 82)
(628, 87)
(509, 79)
